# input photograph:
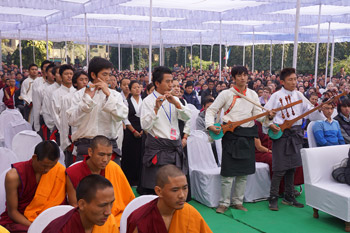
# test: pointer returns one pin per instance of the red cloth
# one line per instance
(26, 192)
(68, 223)
(77, 172)
(147, 218)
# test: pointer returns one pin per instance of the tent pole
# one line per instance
(317, 44)
(253, 52)
(226, 53)
(326, 71)
(332, 59)
(211, 52)
(139, 58)
(47, 42)
(296, 35)
(132, 55)
(65, 52)
(33, 52)
(108, 50)
(73, 54)
(86, 41)
(20, 51)
(220, 51)
(282, 56)
(150, 44)
(160, 47)
(185, 55)
(191, 56)
(119, 62)
(271, 57)
(243, 55)
(200, 53)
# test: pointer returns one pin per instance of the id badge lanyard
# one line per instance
(167, 115)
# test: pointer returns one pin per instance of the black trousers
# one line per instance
(288, 182)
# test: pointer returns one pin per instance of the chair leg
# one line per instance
(315, 213)
(347, 226)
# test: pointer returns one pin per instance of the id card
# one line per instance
(173, 134)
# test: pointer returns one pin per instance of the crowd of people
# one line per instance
(133, 131)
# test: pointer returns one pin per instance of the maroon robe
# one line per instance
(78, 171)
(68, 223)
(26, 192)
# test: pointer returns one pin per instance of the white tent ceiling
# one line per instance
(181, 22)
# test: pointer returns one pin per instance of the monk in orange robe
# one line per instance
(99, 162)
(95, 197)
(169, 212)
(33, 186)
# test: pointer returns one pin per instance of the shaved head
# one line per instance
(165, 172)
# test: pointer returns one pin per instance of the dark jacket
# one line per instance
(192, 99)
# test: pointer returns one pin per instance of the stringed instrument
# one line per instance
(231, 126)
(289, 123)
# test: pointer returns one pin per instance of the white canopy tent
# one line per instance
(176, 23)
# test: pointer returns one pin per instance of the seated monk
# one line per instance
(33, 186)
(169, 212)
(95, 197)
(99, 162)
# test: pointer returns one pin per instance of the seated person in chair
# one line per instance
(95, 197)
(343, 118)
(33, 186)
(327, 132)
(169, 212)
(99, 162)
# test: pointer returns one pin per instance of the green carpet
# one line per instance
(260, 219)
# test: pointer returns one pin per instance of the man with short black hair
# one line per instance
(99, 162)
(27, 92)
(33, 186)
(96, 110)
(160, 113)
(210, 91)
(169, 212)
(95, 197)
(190, 95)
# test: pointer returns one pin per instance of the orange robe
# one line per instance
(147, 218)
(51, 191)
(122, 190)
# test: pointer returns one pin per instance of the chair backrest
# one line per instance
(76, 163)
(48, 216)
(24, 143)
(7, 157)
(14, 128)
(194, 116)
(310, 135)
(2, 190)
(319, 162)
(200, 153)
(133, 205)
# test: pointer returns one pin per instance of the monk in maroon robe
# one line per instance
(95, 197)
(169, 213)
(21, 185)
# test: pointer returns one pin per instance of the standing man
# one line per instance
(27, 92)
(96, 110)
(160, 113)
(286, 150)
(238, 151)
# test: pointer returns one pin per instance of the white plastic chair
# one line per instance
(75, 163)
(13, 128)
(48, 216)
(133, 205)
(7, 157)
(310, 135)
(24, 144)
(2, 190)
(9, 115)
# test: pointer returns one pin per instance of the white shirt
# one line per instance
(38, 85)
(56, 103)
(274, 102)
(241, 110)
(27, 90)
(160, 125)
(97, 116)
(64, 125)
(46, 106)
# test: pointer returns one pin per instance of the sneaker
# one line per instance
(290, 200)
(239, 207)
(273, 203)
(221, 209)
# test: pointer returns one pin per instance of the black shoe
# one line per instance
(290, 200)
(273, 203)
